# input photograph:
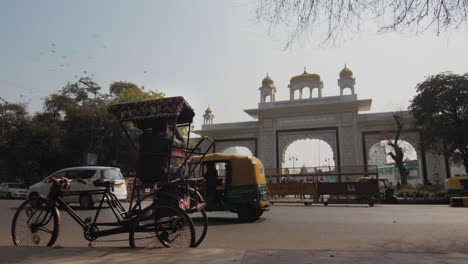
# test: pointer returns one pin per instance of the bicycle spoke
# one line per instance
(170, 226)
(35, 224)
(45, 230)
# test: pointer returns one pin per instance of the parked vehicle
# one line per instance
(456, 186)
(82, 193)
(234, 183)
(13, 190)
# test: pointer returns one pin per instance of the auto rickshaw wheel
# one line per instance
(260, 212)
(248, 213)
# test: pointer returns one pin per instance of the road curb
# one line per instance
(83, 255)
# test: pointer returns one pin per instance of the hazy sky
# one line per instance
(211, 52)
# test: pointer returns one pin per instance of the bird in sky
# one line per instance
(53, 44)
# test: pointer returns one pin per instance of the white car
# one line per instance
(13, 190)
(79, 192)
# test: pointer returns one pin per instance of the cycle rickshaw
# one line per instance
(165, 221)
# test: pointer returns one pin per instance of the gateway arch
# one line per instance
(341, 121)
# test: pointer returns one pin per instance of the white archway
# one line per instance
(238, 150)
(286, 138)
(308, 155)
(222, 145)
(379, 158)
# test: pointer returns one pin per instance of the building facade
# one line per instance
(340, 121)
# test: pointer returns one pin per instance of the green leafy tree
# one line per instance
(78, 109)
(441, 110)
(75, 121)
(124, 155)
(126, 92)
(27, 146)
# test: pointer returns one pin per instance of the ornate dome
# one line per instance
(305, 77)
(267, 81)
(346, 73)
(208, 110)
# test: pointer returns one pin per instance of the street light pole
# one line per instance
(293, 159)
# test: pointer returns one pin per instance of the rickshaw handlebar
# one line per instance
(54, 180)
(64, 179)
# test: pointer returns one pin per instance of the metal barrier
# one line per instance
(313, 185)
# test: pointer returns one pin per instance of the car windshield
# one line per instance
(112, 174)
(16, 185)
(83, 174)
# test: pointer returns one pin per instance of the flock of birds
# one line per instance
(63, 62)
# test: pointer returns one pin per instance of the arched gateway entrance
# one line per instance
(339, 121)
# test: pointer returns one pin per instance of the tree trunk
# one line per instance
(398, 157)
(465, 163)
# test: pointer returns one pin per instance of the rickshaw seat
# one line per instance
(104, 183)
(178, 152)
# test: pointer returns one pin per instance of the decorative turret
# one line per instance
(346, 80)
(208, 116)
(267, 89)
(305, 80)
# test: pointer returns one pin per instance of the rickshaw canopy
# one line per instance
(164, 108)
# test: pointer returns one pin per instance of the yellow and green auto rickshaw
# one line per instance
(233, 182)
(456, 186)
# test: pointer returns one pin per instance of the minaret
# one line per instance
(208, 117)
(267, 89)
(346, 80)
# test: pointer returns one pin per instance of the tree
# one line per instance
(398, 150)
(75, 121)
(28, 146)
(441, 110)
(345, 16)
(124, 155)
(125, 92)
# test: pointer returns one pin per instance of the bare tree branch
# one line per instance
(341, 17)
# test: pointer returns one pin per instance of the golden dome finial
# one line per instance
(305, 76)
(267, 80)
(346, 72)
(208, 110)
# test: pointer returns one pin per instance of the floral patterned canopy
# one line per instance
(164, 108)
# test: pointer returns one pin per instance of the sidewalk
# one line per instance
(75, 255)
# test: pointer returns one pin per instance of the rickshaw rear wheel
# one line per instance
(162, 225)
(200, 223)
(248, 213)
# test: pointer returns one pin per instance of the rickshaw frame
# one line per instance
(178, 113)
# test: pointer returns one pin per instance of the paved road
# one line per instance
(404, 228)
